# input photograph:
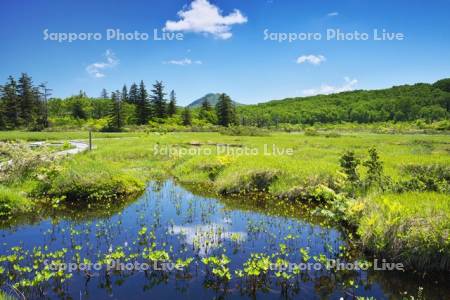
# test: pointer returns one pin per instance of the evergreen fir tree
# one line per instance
(11, 108)
(206, 106)
(124, 93)
(143, 111)
(226, 113)
(158, 101)
(116, 118)
(186, 117)
(104, 94)
(172, 106)
(82, 94)
(133, 94)
(206, 112)
(27, 99)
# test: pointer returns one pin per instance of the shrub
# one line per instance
(349, 163)
(434, 178)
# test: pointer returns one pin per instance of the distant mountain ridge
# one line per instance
(212, 98)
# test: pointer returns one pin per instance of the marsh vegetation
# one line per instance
(348, 195)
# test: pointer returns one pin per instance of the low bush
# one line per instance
(433, 178)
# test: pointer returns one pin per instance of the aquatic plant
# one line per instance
(217, 266)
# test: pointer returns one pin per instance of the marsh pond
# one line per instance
(171, 243)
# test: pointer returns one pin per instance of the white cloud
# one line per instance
(183, 62)
(96, 70)
(326, 89)
(312, 59)
(333, 14)
(207, 237)
(204, 17)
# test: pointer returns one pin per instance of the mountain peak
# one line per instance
(212, 98)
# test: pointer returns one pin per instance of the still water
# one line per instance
(170, 222)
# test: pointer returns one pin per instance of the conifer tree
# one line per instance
(158, 101)
(143, 110)
(133, 94)
(27, 100)
(82, 94)
(124, 93)
(116, 117)
(11, 108)
(104, 94)
(206, 106)
(226, 114)
(206, 112)
(186, 117)
(172, 106)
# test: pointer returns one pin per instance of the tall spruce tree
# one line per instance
(143, 110)
(11, 105)
(158, 101)
(186, 117)
(124, 93)
(82, 94)
(172, 106)
(206, 112)
(116, 116)
(206, 106)
(104, 94)
(133, 94)
(226, 113)
(27, 99)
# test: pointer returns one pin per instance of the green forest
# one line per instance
(430, 102)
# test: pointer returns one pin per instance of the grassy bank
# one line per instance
(410, 224)
(411, 227)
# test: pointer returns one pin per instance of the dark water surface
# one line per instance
(172, 220)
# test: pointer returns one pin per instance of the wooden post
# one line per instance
(90, 139)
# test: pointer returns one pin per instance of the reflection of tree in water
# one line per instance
(395, 284)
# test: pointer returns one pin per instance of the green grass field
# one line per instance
(121, 163)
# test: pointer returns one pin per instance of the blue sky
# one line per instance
(223, 47)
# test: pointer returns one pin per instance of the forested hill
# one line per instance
(400, 103)
(212, 99)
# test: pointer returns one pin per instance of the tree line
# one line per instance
(24, 105)
(154, 106)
